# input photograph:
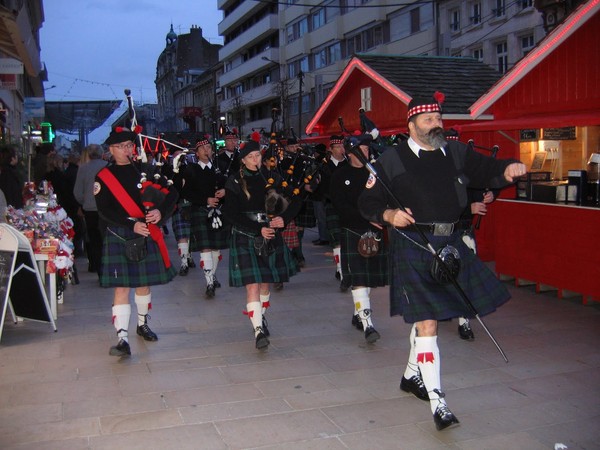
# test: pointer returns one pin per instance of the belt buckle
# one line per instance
(442, 229)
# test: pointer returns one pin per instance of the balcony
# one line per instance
(241, 13)
(249, 67)
(260, 30)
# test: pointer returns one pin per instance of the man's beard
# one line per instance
(437, 138)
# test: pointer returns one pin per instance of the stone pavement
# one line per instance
(318, 386)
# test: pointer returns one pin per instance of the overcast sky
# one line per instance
(93, 50)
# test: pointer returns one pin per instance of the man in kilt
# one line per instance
(257, 253)
(228, 160)
(204, 188)
(128, 213)
(429, 176)
(368, 269)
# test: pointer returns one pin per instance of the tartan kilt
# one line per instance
(306, 217)
(180, 223)
(361, 271)
(148, 272)
(201, 236)
(246, 267)
(333, 224)
(290, 235)
(416, 296)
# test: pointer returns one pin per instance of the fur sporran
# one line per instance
(136, 249)
(368, 244)
(451, 259)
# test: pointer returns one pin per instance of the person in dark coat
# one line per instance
(429, 177)
(10, 182)
(124, 203)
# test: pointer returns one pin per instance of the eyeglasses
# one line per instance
(124, 145)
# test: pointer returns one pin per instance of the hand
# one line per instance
(488, 197)
(277, 222)
(398, 218)
(478, 208)
(267, 233)
(377, 225)
(514, 170)
(220, 193)
(141, 228)
(153, 216)
(213, 202)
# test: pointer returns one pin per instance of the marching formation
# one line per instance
(398, 215)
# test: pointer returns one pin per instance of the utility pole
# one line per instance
(300, 84)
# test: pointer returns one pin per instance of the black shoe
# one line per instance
(356, 322)
(301, 262)
(210, 291)
(444, 418)
(265, 328)
(338, 276)
(216, 282)
(371, 335)
(145, 332)
(191, 263)
(183, 271)
(121, 349)
(415, 386)
(278, 286)
(261, 340)
(465, 332)
(345, 284)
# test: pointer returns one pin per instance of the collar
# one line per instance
(336, 161)
(415, 147)
(205, 165)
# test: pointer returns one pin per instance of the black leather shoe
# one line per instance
(338, 276)
(415, 386)
(191, 263)
(444, 418)
(210, 291)
(183, 271)
(121, 349)
(261, 340)
(356, 322)
(265, 328)
(371, 335)
(301, 262)
(145, 332)
(465, 332)
(345, 284)
(216, 282)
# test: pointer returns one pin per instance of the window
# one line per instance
(455, 20)
(477, 54)
(318, 19)
(411, 22)
(502, 56)
(320, 59)
(327, 55)
(524, 4)
(365, 99)
(331, 10)
(475, 13)
(527, 43)
(295, 67)
(365, 40)
(500, 8)
(296, 30)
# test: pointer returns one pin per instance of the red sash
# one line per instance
(133, 209)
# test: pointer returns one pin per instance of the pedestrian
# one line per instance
(257, 253)
(363, 254)
(204, 188)
(429, 177)
(84, 194)
(10, 180)
(133, 205)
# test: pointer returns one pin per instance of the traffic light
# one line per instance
(47, 133)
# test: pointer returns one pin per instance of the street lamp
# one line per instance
(282, 89)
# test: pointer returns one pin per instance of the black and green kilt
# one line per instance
(246, 267)
(361, 271)
(118, 271)
(204, 237)
(333, 224)
(306, 217)
(416, 296)
(180, 222)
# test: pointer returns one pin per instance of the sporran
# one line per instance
(136, 249)
(451, 259)
(368, 244)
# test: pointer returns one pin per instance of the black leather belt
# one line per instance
(438, 229)
(259, 217)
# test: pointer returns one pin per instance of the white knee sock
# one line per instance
(462, 320)
(428, 359)
(362, 306)
(143, 303)
(255, 314)
(412, 368)
(120, 318)
(337, 258)
(184, 252)
(216, 257)
(265, 302)
(206, 262)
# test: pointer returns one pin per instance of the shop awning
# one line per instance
(581, 119)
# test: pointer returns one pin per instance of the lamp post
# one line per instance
(282, 89)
